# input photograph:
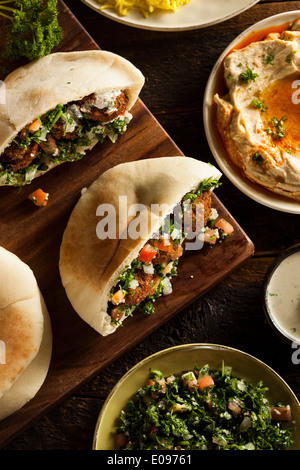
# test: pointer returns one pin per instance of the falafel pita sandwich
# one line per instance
(57, 108)
(113, 262)
(25, 335)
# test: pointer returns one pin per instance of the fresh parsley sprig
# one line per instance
(277, 130)
(249, 75)
(33, 30)
(259, 105)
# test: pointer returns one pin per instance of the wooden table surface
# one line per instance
(176, 66)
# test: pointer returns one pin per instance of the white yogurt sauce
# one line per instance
(106, 99)
(283, 296)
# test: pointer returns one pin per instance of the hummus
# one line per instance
(258, 118)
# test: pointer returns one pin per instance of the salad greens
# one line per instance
(177, 413)
(205, 185)
(70, 150)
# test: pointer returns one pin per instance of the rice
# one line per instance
(144, 6)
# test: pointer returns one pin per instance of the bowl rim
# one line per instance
(253, 190)
(269, 273)
(141, 24)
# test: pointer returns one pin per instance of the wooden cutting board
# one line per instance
(35, 234)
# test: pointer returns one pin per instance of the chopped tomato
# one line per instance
(116, 313)
(147, 253)
(225, 226)
(163, 243)
(167, 269)
(206, 381)
(235, 408)
(281, 413)
(210, 236)
(160, 382)
(154, 285)
(170, 379)
(121, 440)
(163, 385)
(34, 126)
(151, 382)
(118, 297)
(39, 197)
(209, 404)
(177, 253)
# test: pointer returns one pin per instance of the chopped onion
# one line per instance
(148, 268)
(133, 284)
(168, 289)
(245, 424)
(219, 440)
(214, 214)
(249, 446)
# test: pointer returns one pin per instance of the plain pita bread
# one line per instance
(89, 265)
(25, 334)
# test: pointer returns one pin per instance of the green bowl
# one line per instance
(180, 358)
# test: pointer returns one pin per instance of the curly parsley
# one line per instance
(276, 130)
(249, 75)
(34, 29)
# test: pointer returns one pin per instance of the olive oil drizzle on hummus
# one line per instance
(258, 116)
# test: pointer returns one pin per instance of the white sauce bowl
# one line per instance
(281, 294)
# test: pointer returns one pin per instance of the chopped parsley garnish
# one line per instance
(259, 105)
(288, 59)
(269, 60)
(205, 185)
(276, 130)
(248, 76)
(258, 158)
(118, 125)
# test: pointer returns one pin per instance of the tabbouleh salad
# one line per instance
(203, 409)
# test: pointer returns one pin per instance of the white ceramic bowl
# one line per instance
(233, 173)
(281, 295)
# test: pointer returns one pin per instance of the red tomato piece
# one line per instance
(147, 253)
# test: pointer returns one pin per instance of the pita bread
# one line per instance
(25, 334)
(89, 265)
(59, 78)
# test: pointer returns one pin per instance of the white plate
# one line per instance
(254, 191)
(196, 14)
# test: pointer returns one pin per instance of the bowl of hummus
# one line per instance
(251, 112)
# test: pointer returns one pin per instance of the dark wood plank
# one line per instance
(35, 235)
